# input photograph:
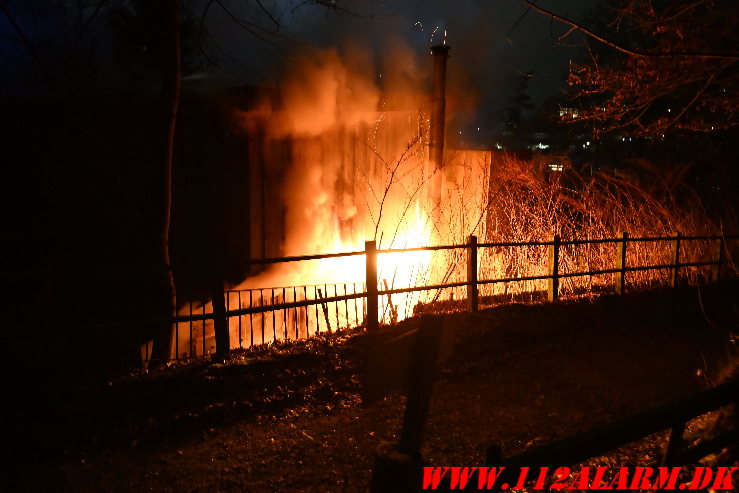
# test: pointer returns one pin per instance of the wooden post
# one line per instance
(220, 323)
(718, 257)
(398, 467)
(420, 385)
(675, 443)
(621, 263)
(472, 295)
(553, 291)
(370, 248)
(675, 261)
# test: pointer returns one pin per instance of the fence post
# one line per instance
(553, 291)
(370, 248)
(621, 263)
(675, 250)
(718, 257)
(472, 274)
(398, 466)
(675, 442)
(220, 323)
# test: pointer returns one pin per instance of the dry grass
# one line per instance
(527, 204)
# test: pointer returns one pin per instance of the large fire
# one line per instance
(359, 170)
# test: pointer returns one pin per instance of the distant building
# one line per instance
(568, 113)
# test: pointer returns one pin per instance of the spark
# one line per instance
(431, 41)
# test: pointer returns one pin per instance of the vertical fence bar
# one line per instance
(241, 337)
(204, 329)
(718, 257)
(262, 314)
(176, 340)
(553, 291)
(346, 308)
(315, 297)
(370, 248)
(356, 309)
(621, 263)
(295, 311)
(190, 349)
(675, 261)
(472, 294)
(336, 307)
(274, 318)
(307, 314)
(251, 318)
(284, 313)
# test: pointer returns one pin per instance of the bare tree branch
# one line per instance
(23, 39)
(626, 50)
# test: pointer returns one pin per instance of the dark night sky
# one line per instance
(492, 40)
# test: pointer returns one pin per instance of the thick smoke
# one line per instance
(322, 98)
(322, 92)
(357, 135)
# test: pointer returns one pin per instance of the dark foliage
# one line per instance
(674, 66)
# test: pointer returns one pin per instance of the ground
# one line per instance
(289, 417)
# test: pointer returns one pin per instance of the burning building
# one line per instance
(332, 161)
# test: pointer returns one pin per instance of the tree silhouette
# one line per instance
(673, 67)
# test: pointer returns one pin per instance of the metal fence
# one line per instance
(265, 315)
(258, 316)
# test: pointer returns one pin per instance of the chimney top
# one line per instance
(440, 50)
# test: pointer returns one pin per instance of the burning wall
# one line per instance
(336, 161)
(357, 166)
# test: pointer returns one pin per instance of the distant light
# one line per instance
(540, 146)
(623, 139)
(478, 129)
(556, 167)
(669, 110)
(498, 146)
(588, 143)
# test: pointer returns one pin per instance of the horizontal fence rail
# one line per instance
(265, 315)
(599, 441)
